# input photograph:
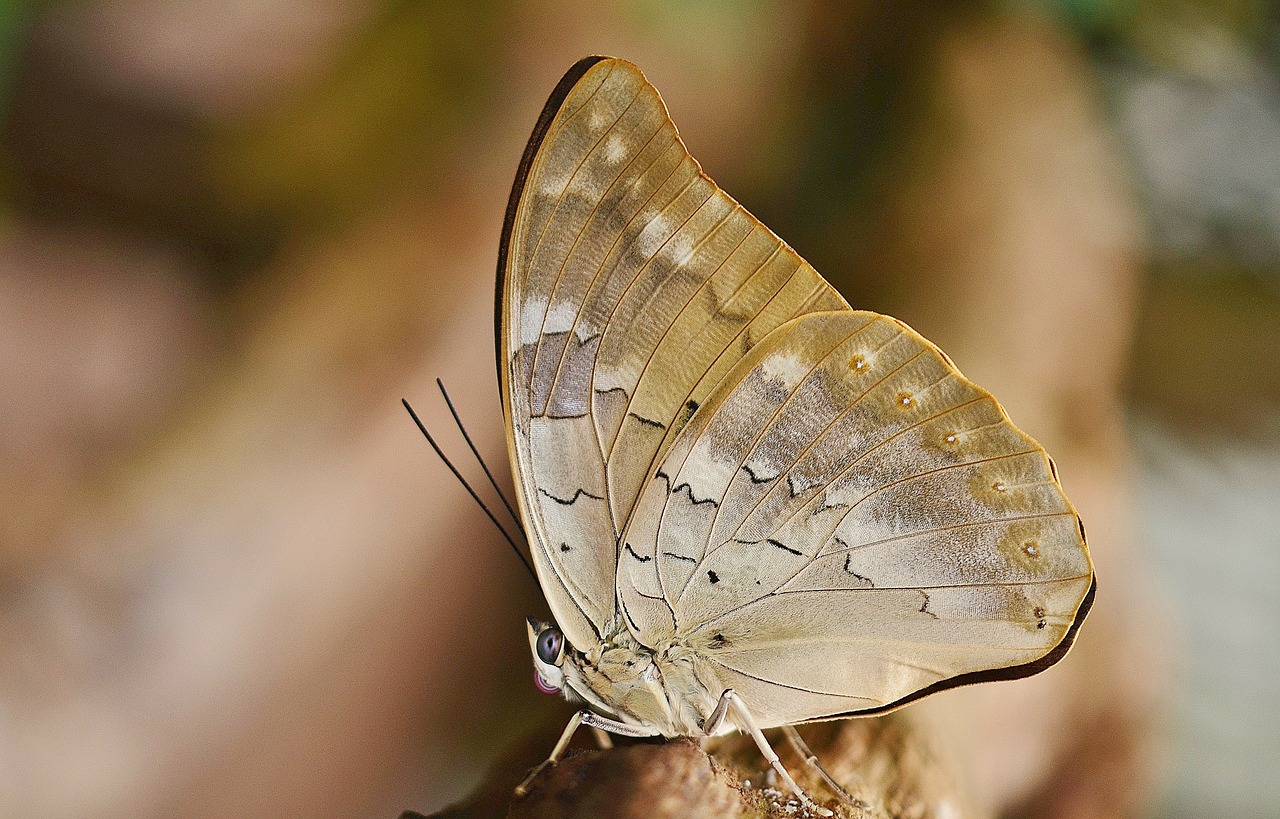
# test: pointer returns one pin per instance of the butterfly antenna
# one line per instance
(483, 465)
(467, 486)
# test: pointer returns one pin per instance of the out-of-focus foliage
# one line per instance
(13, 15)
(398, 98)
(231, 165)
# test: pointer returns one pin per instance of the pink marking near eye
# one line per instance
(543, 685)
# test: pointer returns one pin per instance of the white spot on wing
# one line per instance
(531, 312)
(553, 185)
(536, 320)
(788, 368)
(680, 247)
(651, 238)
(615, 149)
(560, 317)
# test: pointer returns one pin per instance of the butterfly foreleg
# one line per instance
(730, 701)
(591, 720)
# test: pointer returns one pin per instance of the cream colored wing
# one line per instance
(849, 523)
(628, 285)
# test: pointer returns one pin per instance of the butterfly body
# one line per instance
(664, 691)
(748, 504)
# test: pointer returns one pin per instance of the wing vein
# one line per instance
(548, 139)
(935, 530)
(764, 428)
(551, 217)
(586, 224)
(862, 590)
(879, 445)
(802, 688)
(890, 485)
(689, 393)
(680, 313)
(835, 420)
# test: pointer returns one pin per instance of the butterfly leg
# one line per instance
(591, 720)
(569, 730)
(802, 750)
(742, 716)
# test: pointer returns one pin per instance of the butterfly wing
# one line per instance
(849, 523)
(629, 284)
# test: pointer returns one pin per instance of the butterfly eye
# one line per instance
(550, 644)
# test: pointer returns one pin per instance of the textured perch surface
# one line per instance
(883, 763)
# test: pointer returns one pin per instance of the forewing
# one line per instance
(849, 522)
(629, 284)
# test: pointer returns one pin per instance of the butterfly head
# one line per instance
(548, 646)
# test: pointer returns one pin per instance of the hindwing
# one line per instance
(849, 521)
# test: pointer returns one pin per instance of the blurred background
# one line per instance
(234, 233)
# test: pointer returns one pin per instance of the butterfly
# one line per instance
(748, 504)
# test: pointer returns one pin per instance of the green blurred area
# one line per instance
(13, 16)
(390, 106)
(393, 105)
(384, 113)
(389, 111)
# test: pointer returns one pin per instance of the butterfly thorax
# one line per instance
(666, 689)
